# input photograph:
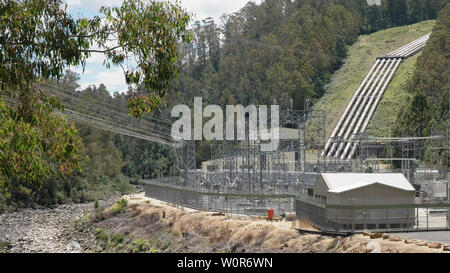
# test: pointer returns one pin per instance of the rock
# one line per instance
(395, 239)
(218, 214)
(373, 247)
(366, 233)
(74, 247)
(410, 241)
(99, 249)
(446, 248)
(386, 236)
(436, 245)
(376, 235)
(290, 217)
(421, 243)
(40, 229)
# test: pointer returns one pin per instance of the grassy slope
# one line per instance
(393, 100)
(362, 56)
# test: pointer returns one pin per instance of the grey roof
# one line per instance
(342, 182)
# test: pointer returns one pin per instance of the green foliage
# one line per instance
(117, 239)
(149, 31)
(141, 245)
(37, 150)
(119, 206)
(144, 159)
(101, 235)
(3, 203)
(429, 84)
(392, 13)
(281, 50)
(39, 41)
(83, 220)
(429, 87)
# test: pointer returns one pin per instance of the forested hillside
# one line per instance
(283, 49)
(429, 86)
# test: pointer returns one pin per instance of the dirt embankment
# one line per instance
(147, 225)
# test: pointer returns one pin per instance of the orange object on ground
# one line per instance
(269, 214)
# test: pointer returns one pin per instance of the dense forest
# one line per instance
(283, 49)
(429, 86)
(271, 52)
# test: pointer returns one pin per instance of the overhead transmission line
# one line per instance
(108, 125)
(93, 107)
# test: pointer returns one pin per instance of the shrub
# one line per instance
(141, 245)
(101, 235)
(120, 205)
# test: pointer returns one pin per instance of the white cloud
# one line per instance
(201, 8)
(114, 80)
(92, 4)
(72, 3)
(96, 58)
(213, 8)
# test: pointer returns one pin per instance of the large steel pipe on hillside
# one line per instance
(361, 108)
(352, 114)
(410, 49)
(375, 105)
(355, 107)
(349, 106)
(415, 50)
(368, 107)
(396, 52)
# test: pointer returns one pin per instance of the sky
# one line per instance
(113, 78)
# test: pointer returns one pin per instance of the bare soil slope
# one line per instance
(148, 225)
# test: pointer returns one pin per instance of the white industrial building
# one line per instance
(360, 200)
(364, 189)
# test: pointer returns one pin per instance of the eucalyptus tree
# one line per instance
(39, 40)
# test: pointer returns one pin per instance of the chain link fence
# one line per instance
(382, 218)
(318, 213)
(230, 203)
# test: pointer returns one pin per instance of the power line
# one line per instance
(106, 125)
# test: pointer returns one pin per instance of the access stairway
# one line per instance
(342, 144)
